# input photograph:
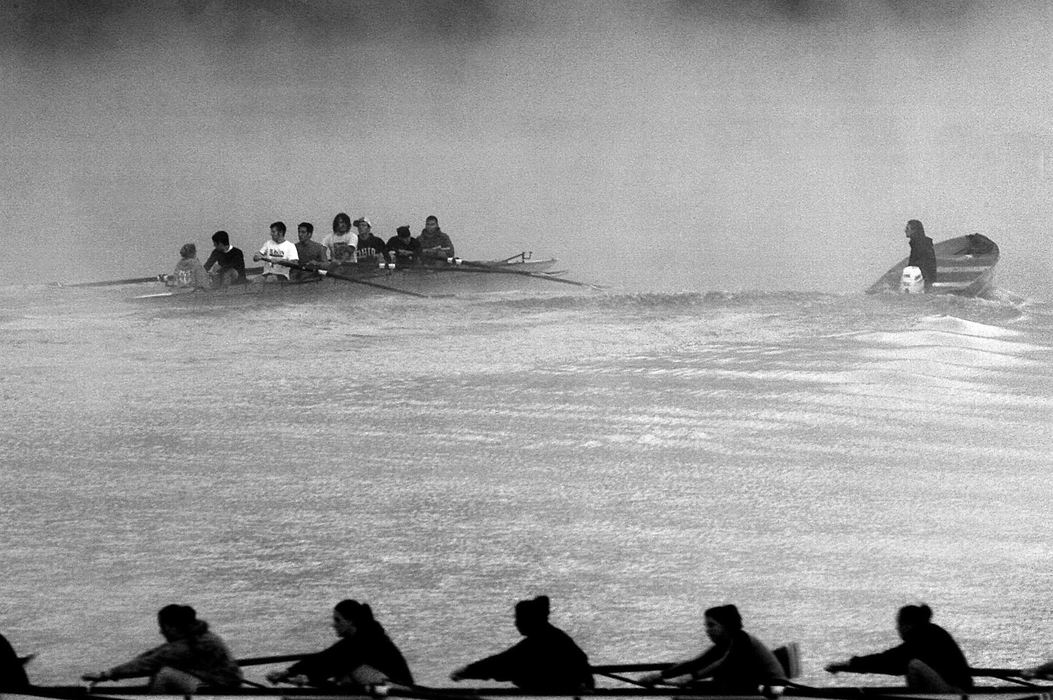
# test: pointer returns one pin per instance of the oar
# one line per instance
(348, 278)
(140, 280)
(264, 660)
(467, 266)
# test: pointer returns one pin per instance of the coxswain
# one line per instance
(922, 253)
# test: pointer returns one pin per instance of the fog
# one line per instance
(772, 145)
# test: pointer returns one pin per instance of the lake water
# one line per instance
(819, 460)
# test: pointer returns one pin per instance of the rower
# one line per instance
(312, 254)
(546, 660)
(369, 248)
(929, 657)
(229, 261)
(191, 657)
(341, 242)
(403, 247)
(737, 662)
(435, 245)
(277, 248)
(365, 656)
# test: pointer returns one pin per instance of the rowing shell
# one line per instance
(964, 266)
(420, 693)
(439, 280)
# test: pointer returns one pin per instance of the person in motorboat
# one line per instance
(435, 245)
(188, 273)
(364, 656)
(312, 255)
(403, 247)
(737, 662)
(191, 657)
(12, 668)
(928, 658)
(277, 248)
(341, 242)
(369, 248)
(229, 261)
(922, 253)
(546, 660)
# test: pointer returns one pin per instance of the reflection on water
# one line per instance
(818, 460)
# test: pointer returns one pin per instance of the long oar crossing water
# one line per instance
(470, 266)
(139, 280)
(352, 279)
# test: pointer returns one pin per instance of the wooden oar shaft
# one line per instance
(347, 278)
(264, 660)
(141, 280)
(467, 266)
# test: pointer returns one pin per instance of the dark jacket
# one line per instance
(930, 644)
(546, 661)
(369, 646)
(232, 259)
(12, 671)
(741, 665)
(923, 256)
(404, 250)
(436, 238)
(369, 249)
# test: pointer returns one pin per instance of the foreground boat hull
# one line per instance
(832, 693)
(958, 271)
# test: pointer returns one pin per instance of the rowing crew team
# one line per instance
(300, 262)
(545, 660)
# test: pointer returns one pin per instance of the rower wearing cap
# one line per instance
(369, 248)
(403, 247)
(435, 245)
(546, 660)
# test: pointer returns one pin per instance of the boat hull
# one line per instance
(958, 271)
(445, 280)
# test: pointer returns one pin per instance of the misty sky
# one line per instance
(696, 145)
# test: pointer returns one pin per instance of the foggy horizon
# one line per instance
(679, 145)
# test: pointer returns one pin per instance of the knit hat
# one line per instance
(403, 231)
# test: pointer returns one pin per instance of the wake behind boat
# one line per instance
(964, 266)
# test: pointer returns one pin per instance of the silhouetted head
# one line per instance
(914, 228)
(532, 614)
(188, 251)
(402, 232)
(911, 617)
(722, 622)
(221, 238)
(176, 620)
(350, 616)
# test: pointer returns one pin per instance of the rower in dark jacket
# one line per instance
(929, 657)
(364, 656)
(922, 254)
(737, 662)
(546, 660)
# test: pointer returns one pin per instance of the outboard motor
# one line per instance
(912, 281)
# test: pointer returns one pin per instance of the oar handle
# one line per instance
(264, 660)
